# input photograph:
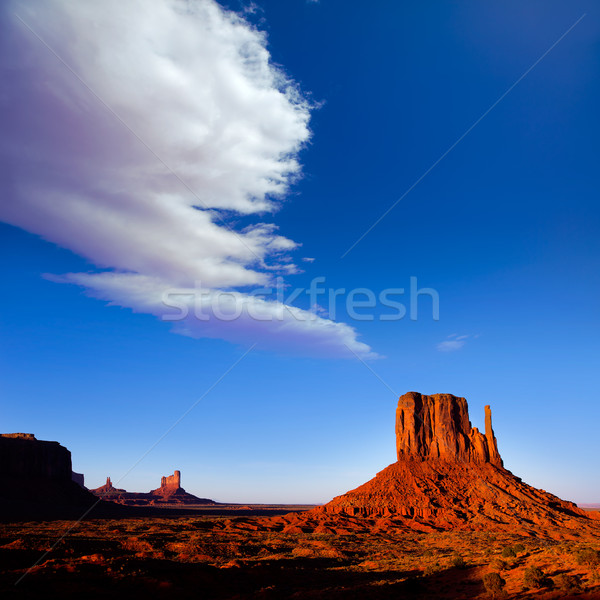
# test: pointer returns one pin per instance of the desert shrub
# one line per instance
(534, 577)
(493, 583)
(568, 583)
(458, 562)
(432, 570)
(499, 565)
(509, 552)
(519, 548)
(588, 556)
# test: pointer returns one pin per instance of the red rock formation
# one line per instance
(449, 475)
(170, 492)
(107, 489)
(171, 481)
(438, 426)
(492, 443)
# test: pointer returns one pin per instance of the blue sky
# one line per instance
(292, 129)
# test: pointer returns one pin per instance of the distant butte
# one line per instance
(170, 492)
(107, 488)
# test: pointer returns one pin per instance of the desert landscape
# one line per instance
(446, 520)
(255, 257)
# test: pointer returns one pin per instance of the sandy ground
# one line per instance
(221, 553)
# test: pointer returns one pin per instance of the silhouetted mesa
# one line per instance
(38, 479)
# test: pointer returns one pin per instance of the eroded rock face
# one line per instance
(438, 426)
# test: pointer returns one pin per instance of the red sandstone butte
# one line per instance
(450, 476)
(438, 427)
(169, 485)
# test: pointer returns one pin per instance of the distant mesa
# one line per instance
(449, 475)
(170, 492)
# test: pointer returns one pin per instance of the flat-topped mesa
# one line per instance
(19, 436)
(438, 426)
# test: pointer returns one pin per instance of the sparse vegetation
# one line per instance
(433, 569)
(494, 583)
(534, 577)
(499, 565)
(568, 583)
(509, 552)
(518, 548)
(588, 556)
(458, 562)
(241, 557)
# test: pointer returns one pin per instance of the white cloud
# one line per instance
(450, 345)
(234, 316)
(195, 85)
(454, 342)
